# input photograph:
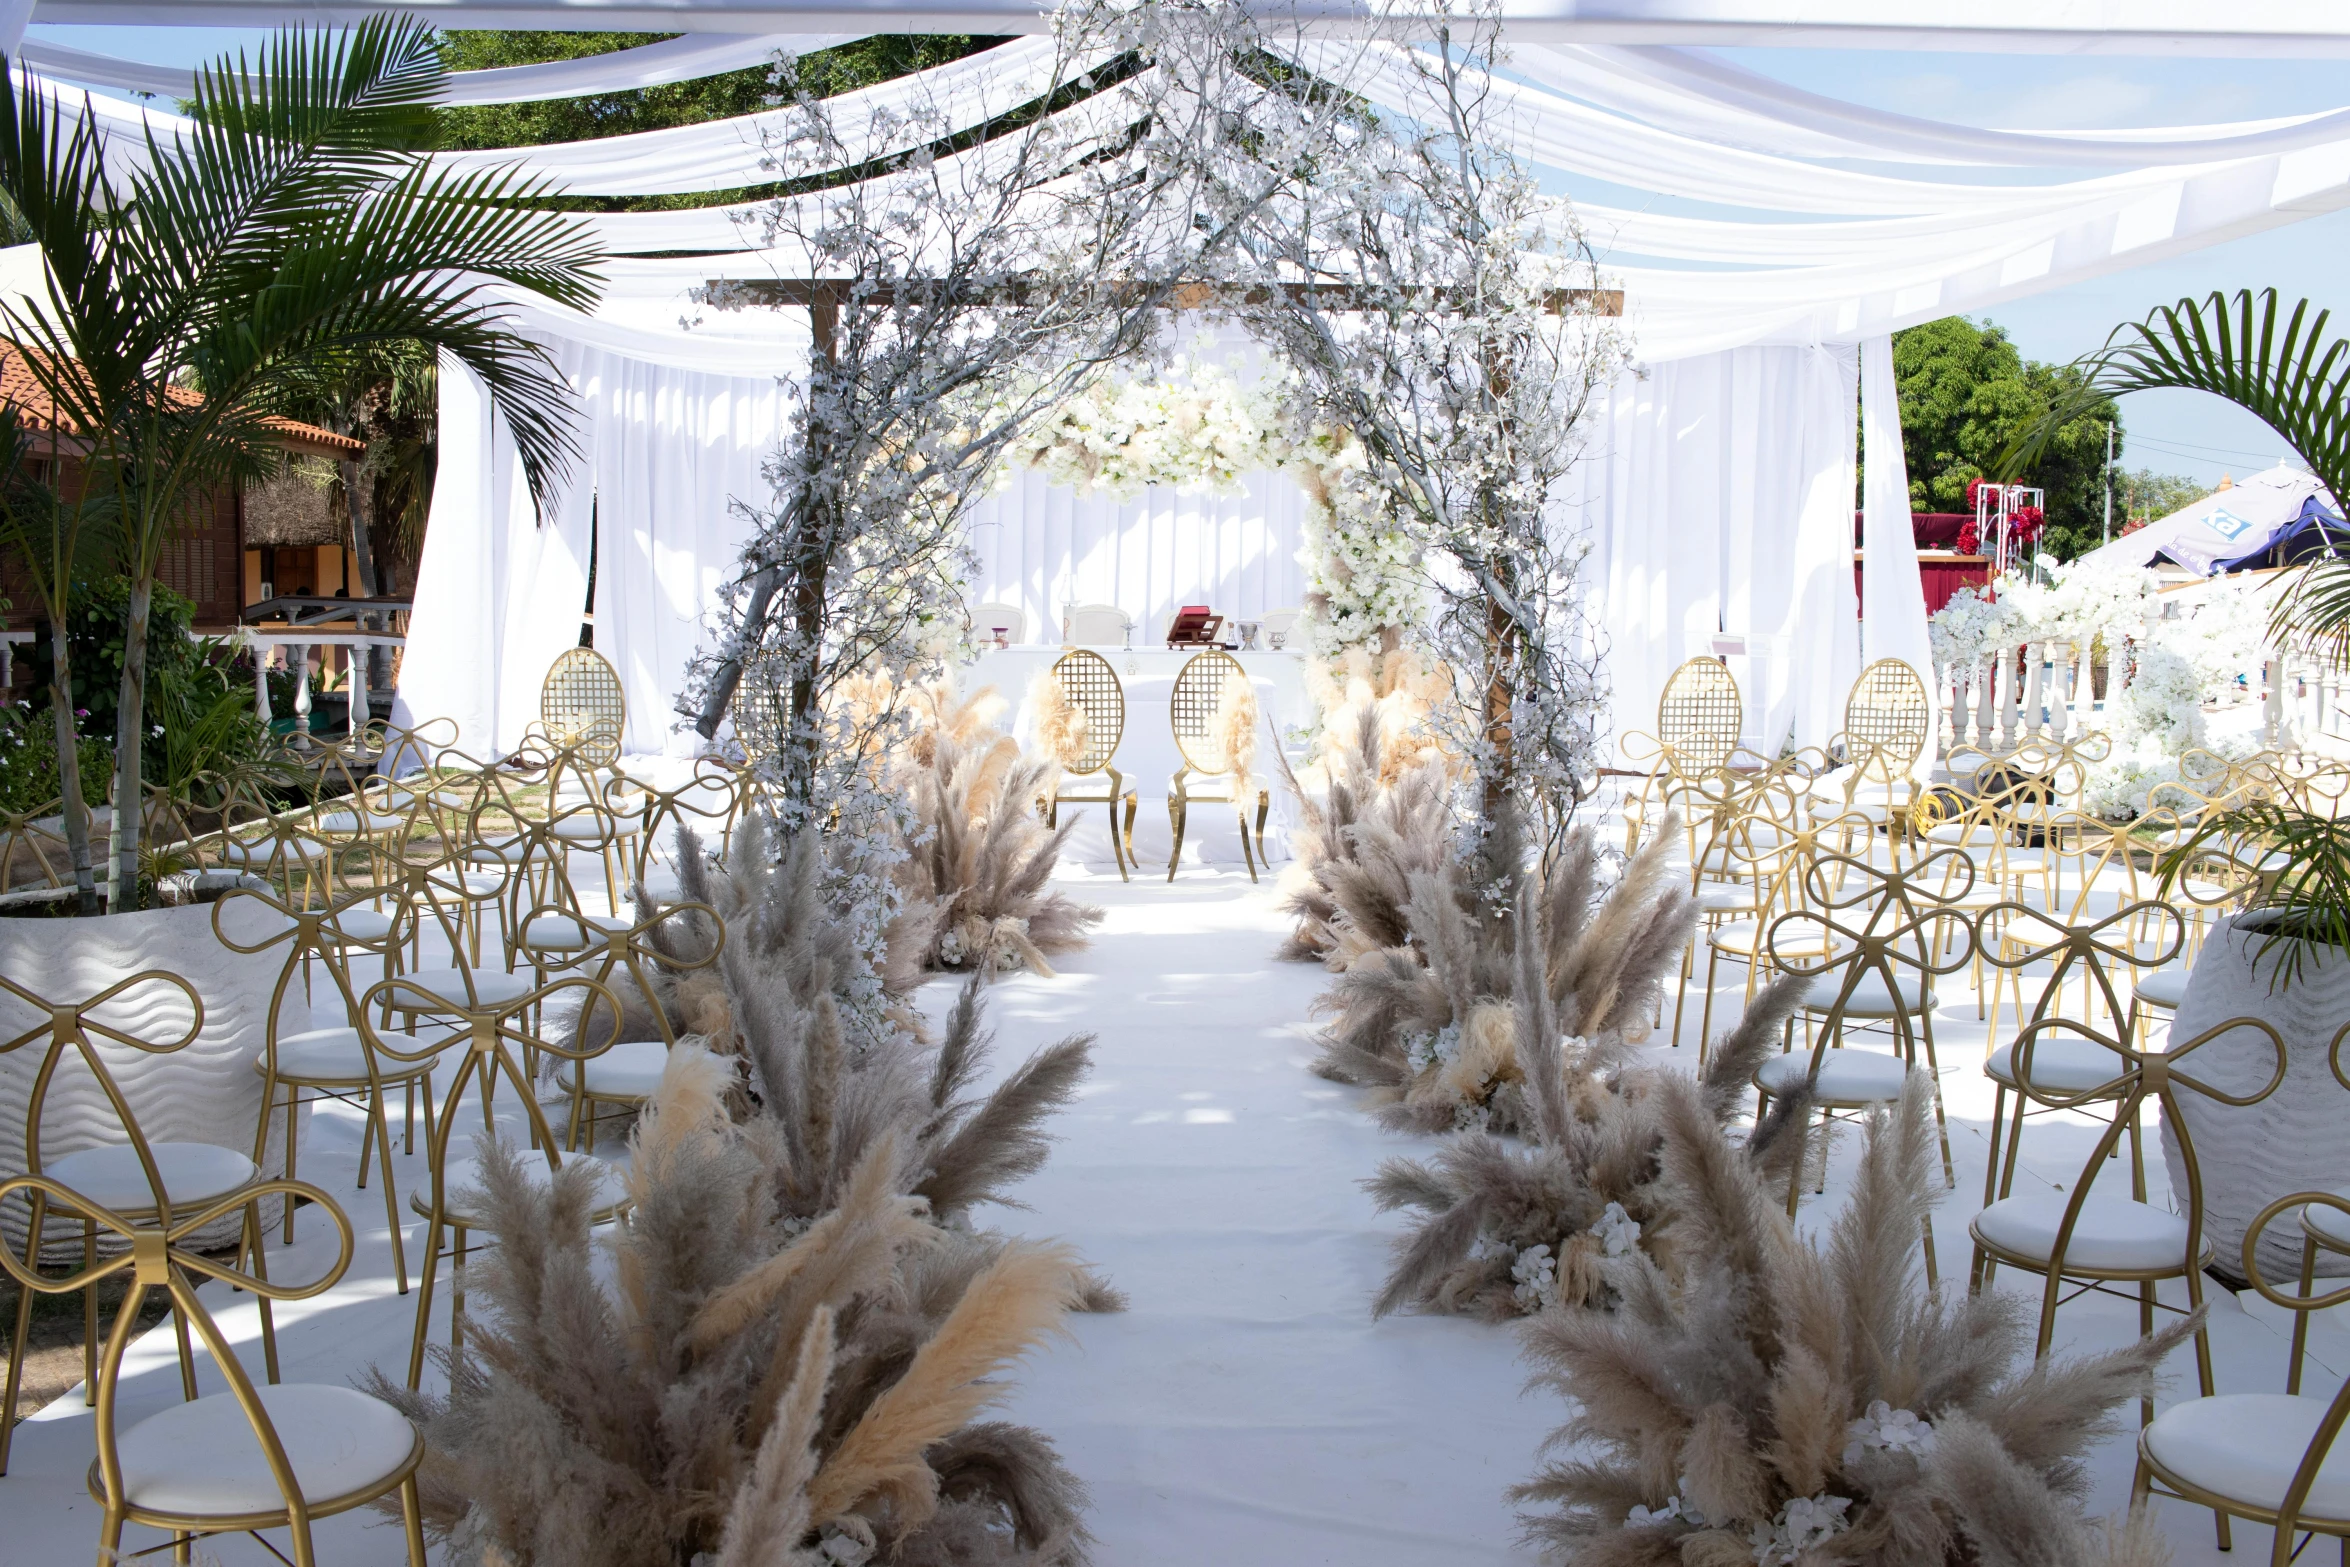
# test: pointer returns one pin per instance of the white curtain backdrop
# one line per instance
(1717, 492)
(1893, 598)
(498, 594)
(1037, 542)
(672, 453)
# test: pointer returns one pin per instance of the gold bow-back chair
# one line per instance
(2268, 1458)
(709, 803)
(279, 1456)
(1770, 847)
(139, 1182)
(493, 1041)
(1874, 941)
(2015, 936)
(1210, 774)
(674, 939)
(2324, 1227)
(1735, 827)
(334, 1062)
(31, 852)
(2077, 1237)
(1091, 777)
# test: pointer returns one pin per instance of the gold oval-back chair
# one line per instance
(1887, 718)
(582, 706)
(1090, 685)
(1699, 717)
(1192, 708)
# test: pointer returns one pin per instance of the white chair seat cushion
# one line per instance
(591, 828)
(626, 1071)
(1085, 786)
(361, 821)
(2165, 987)
(267, 851)
(2330, 1223)
(489, 985)
(1963, 833)
(2059, 1065)
(2112, 1233)
(361, 925)
(1797, 940)
(335, 1055)
(1724, 898)
(1847, 1077)
(111, 1176)
(202, 1460)
(506, 853)
(1869, 996)
(562, 933)
(466, 1205)
(2247, 1446)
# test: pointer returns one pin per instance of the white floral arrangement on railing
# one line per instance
(1195, 427)
(2173, 666)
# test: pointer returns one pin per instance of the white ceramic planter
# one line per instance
(2292, 1141)
(207, 1092)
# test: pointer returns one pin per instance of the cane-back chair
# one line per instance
(1210, 774)
(582, 706)
(678, 938)
(1090, 775)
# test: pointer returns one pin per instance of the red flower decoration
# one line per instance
(1969, 541)
(2025, 522)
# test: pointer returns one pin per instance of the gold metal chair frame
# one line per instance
(2138, 1076)
(1699, 717)
(1091, 685)
(583, 705)
(69, 1027)
(2080, 947)
(485, 1031)
(2285, 1519)
(310, 935)
(1905, 927)
(157, 1258)
(2314, 1240)
(1198, 693)
(613, 951)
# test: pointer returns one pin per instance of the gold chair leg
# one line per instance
(1132, 800)
(1116, 852)
(1249, 859)
(1176, 811)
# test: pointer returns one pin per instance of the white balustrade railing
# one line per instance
(297, 646)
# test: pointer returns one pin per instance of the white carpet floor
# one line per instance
(1245, 1411)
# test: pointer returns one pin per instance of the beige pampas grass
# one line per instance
(788, 1360)
(1060, 725)
(1232, 731)
(1007, 1311)
(1811, 1396)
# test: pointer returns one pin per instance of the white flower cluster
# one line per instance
(1537, 1273)
(1437, 1049)
(1617, 1231)
(1193, 428)
(1885, 1429)
(1803, 1523)
(1674, 1511)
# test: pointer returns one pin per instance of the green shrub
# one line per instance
(28, 761)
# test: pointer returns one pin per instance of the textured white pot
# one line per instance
(206, 1092)
(2292, 1141)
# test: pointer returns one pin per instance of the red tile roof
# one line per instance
(19, 386)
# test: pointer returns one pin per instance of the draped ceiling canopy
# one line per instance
(1719, 486)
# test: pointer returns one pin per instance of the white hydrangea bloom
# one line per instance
(1802, 1523)
(1537, 1274)
(1885, 1429)
(1617, 1231)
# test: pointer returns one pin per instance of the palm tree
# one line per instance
(2288, 373)
(199, 285)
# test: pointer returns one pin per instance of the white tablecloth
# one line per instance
(1147, 754)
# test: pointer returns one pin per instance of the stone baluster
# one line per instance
(2272, 707)
(2011, 714)
(356, 658)
(261, 683)
(2060, 690)
(1985, 672)
(298, 654)
(2035, 655)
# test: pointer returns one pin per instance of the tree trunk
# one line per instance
(130, 731)
(75, 810)
(1500, 632)
(805, 741)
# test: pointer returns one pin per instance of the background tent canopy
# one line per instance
(2227, 529)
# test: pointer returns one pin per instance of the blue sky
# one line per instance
(2170, 432)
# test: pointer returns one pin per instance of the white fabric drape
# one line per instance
(1043, 546)
(675, 456)
(1893, 597)
(647, 65)
(1717, 494)
(498, 594)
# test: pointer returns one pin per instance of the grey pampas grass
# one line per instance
(801, 1330)
(1435, 1026)
(1787, 1400)
(1357, 847)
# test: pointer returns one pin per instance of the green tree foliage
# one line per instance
(825, 73)
(1966, 393)
(2140, 495)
